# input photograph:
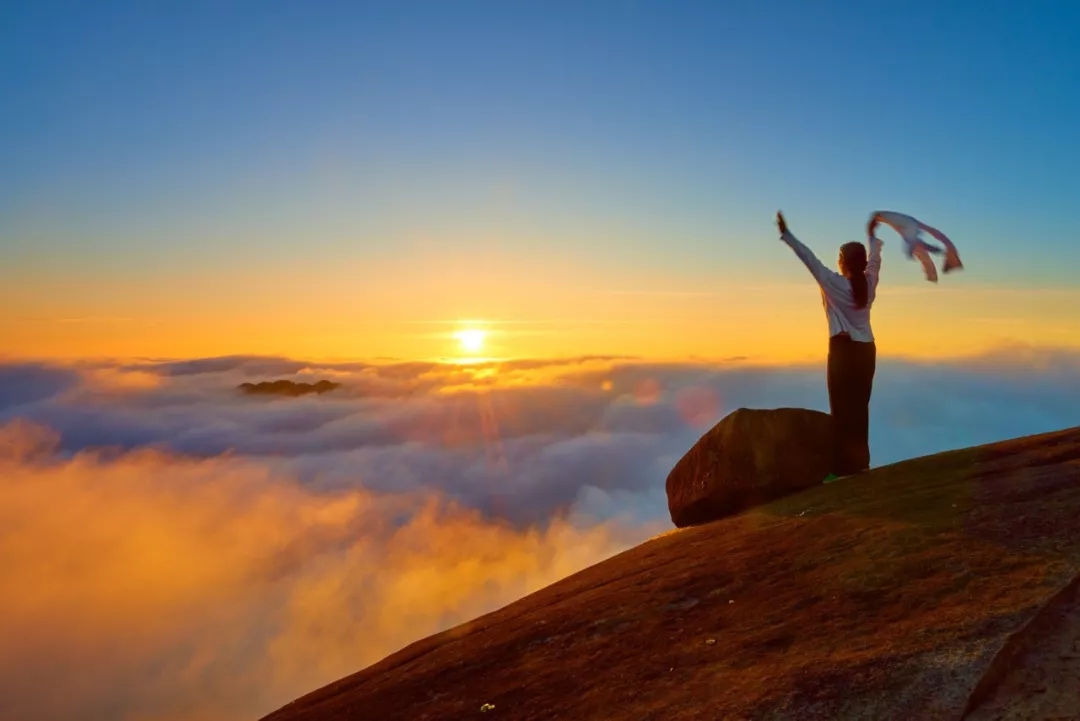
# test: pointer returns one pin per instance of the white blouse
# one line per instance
(836, 295)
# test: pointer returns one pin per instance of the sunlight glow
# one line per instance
(471, 339)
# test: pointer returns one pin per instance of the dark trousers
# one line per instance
(851, 379)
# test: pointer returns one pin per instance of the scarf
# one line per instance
(915, 247)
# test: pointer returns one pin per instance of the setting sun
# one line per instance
(471, 340)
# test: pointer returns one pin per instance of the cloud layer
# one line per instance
(176, 550)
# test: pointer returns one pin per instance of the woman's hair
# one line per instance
(854, 256)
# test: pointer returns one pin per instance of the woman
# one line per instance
(847, 297)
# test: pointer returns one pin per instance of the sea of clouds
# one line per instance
(173, 549)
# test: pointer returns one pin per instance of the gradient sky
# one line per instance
(353, 179)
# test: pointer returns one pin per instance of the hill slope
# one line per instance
(942, 587)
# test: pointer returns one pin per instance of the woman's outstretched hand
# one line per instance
(781, 223)
(871, 226)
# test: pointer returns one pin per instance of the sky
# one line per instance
(358, 180)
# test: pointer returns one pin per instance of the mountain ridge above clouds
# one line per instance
(288, 388)
(941, 587)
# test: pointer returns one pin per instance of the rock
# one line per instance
(750, 457)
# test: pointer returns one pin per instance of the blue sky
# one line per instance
(642, 136)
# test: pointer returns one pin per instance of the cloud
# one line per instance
(176, 550)
(152, 586)
(248, 365)
(24, 441)
(28, 383)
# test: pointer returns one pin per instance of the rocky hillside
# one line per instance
(944, 587)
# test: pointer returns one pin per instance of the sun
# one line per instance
(471, 339)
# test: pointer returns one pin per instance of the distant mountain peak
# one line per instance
(288, 388)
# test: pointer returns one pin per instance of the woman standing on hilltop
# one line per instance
(847, 297)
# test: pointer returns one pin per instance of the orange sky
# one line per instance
(411, 311)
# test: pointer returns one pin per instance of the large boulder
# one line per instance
(750, 457)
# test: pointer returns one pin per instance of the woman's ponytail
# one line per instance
(859, 288)
(854, 255)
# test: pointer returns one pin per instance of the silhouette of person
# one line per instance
(847, 297)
